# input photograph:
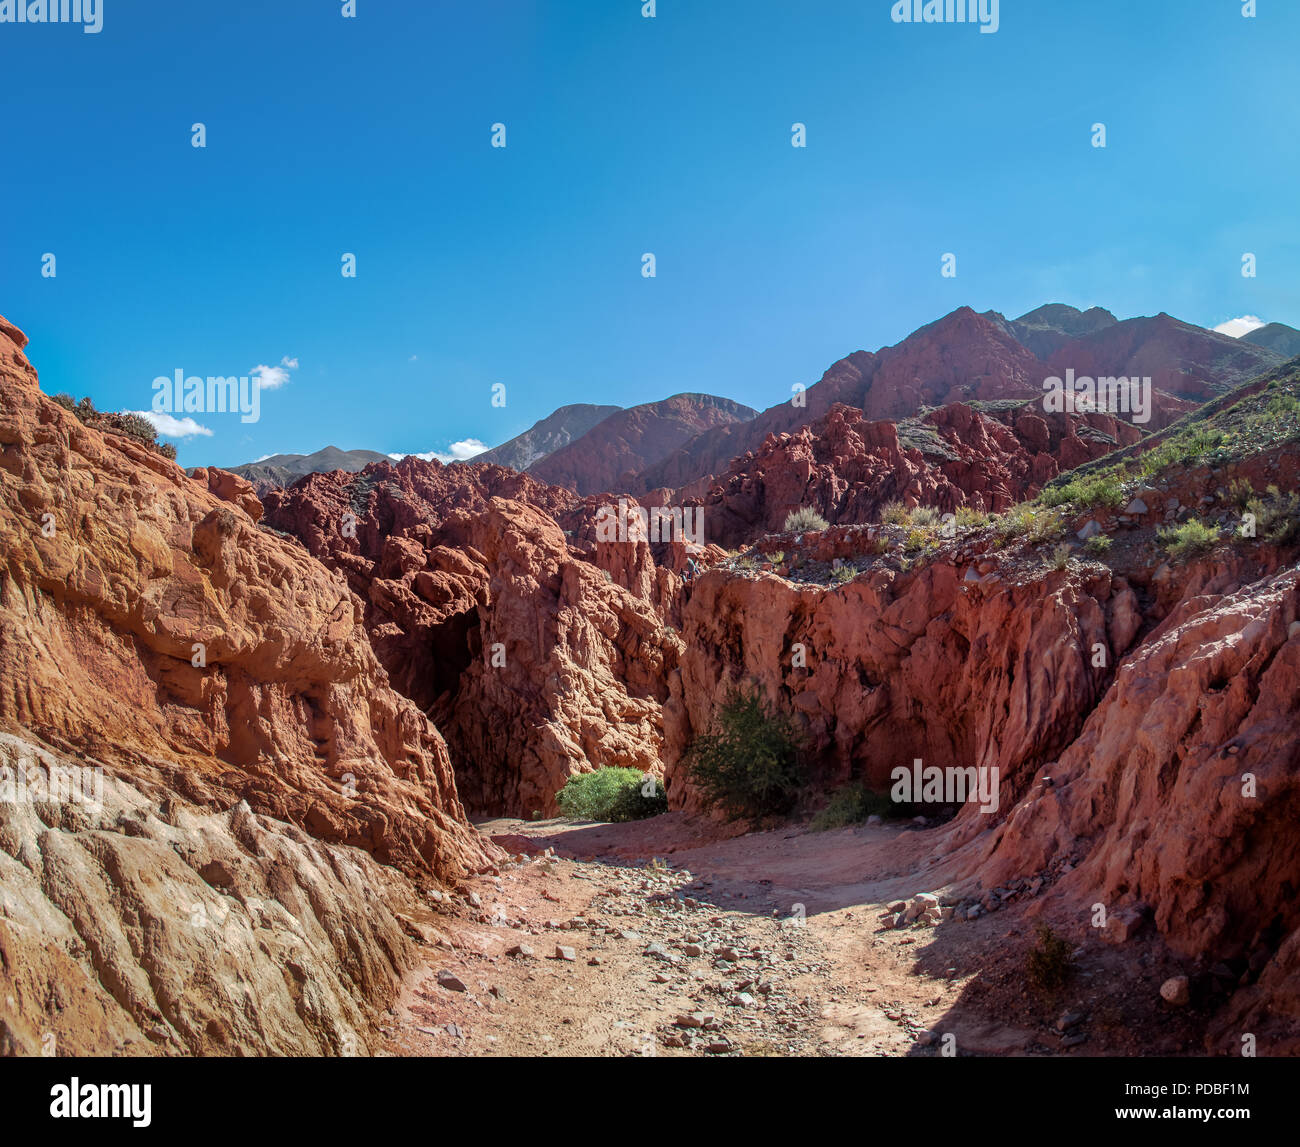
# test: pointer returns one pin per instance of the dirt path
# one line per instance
(657, 938)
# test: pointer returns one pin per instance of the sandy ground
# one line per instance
(762, 944)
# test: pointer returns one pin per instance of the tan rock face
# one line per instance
(134, 927)
(159, 629)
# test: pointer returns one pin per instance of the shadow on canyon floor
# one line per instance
(963, 979)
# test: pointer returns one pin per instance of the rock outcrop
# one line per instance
(537, 654)
(155, 627)
(134, 925)
(848, 468)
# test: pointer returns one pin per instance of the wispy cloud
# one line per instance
(170, 427)
(274, 377)
(456, 452)
(1235, 328)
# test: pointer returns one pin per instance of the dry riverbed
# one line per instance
(659, 938)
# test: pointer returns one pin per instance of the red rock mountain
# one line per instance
(1184, 361)
(552, 433)
(848, 468)
(609, 455)
(964, 357)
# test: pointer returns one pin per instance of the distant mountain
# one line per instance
(285, 469)
(1277, 337)
(1185, 361)
(552, 433)
(1045, 330)
(610, 454)
(962, 357)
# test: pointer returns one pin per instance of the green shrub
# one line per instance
(894, 514)
(633, 803)
(1098, 545)
(611, 794)
(852, 804)
(1278, 519)
(924, 517)
(804, 521)
(751, 763)
(1049, 963)
(968, 517)
(844, 573)
(1241, 493)
(1100, 490)
(1061, 557)
(134, 426)
(1189, 539)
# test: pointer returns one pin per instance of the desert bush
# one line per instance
(611, 794)
(915, 540)
(1098, 545)
(894, 514)
(1049, 963)
(1188, 540)
(968, 517)
(1241, 493)
(1278, 518)
(132, 425)
(852, 804)
(804, 520)
(751, 763)
(843, 574)
(1099, 490)
(1061, 557)
(924, 517)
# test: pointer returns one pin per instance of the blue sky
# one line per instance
(522, 265)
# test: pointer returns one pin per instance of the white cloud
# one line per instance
(274, 377)
(269, 377)
(1235, 328)
(456, 452)
(170, 427)
(413, 358)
